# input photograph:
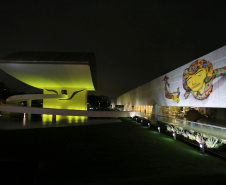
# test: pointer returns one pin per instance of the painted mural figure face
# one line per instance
(198, 78)
(196, 81)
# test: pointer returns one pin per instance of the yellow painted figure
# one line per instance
(174, 95)
(198, 79)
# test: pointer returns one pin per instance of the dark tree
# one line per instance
(98, 101)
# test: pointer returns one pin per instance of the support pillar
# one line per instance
(155, 111)
(54, 118)
(28, 116)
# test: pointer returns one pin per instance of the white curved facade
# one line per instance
(153, 92)
(199, 85)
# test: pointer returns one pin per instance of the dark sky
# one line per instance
(134, 41)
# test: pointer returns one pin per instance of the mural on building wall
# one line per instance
(198, 79)
(171, 95)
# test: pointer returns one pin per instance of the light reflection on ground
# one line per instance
(168, 139)
(15, 122)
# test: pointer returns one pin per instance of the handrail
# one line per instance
(212, 130)
(195, 122)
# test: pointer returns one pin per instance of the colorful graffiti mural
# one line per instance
(198, 79)
(171, 95)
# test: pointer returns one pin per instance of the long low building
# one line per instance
(198, 86)
(200, 83)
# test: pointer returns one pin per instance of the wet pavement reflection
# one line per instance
(19, 121)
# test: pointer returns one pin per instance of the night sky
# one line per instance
(133, 41)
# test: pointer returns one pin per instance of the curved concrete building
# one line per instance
(71, 74)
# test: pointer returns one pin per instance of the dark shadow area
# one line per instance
(114, 153)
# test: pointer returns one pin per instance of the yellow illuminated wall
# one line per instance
(136, 108)
(46, 118)
(149, 109)
(77, 102)
(143, 108)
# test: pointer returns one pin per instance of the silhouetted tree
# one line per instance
(98, 101)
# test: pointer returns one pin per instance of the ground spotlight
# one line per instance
(159, 129)
(202, 148)
(174, 136)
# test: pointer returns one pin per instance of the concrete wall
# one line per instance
(77, 99)
(153, 92)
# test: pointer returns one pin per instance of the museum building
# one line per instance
(190, 100)
(64, 77)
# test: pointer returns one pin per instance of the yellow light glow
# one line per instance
(48, 75)
(70, 119)
(78, 102)
(46, 118)
(143, 108)
(83, 118)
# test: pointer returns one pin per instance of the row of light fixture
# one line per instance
(202, 146)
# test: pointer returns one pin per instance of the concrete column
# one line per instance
(54, 118)
(221, 114)
(28, 116)
(29, 103)
(155, 111)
